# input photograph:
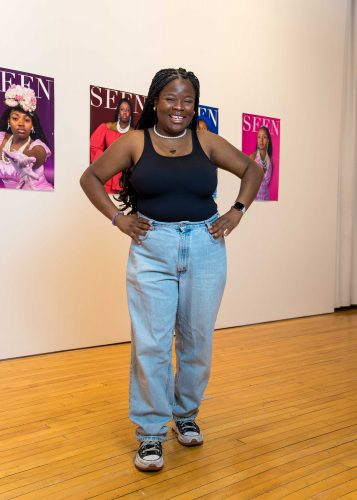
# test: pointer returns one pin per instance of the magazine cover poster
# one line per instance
(26, 131)
(207, 118)
(261, 141)
(113, 113)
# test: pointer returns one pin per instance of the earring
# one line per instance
(154, 108)
(8, 126)
(32, 130)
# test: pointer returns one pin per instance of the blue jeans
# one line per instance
(175, 282)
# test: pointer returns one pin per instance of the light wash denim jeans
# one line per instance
(175, 282)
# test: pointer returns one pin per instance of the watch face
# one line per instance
(239, 206)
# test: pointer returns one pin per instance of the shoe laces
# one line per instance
(148, 448)
(188, 426)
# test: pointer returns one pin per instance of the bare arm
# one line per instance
(226, 156)
(121, 155)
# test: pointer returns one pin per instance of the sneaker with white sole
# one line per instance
(149, 456)
(188, 432)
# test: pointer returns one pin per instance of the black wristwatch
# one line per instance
(240, 207)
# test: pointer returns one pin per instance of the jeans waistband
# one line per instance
(179, 225)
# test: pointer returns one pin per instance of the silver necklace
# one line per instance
(122, 130)
(168, 136)
(7, 147)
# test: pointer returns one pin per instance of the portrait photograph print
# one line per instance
(207, 119)
(261, 142)
(113, 113)
(26, 131)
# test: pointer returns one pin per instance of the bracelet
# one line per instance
(119, 212)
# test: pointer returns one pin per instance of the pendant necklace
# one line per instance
(172, 150)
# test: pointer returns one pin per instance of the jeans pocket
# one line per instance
(143, 237)
(213, 239)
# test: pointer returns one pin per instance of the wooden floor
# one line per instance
(279, 420)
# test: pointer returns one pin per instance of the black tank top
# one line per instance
(175, 188)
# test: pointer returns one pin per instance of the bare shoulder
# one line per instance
(133, 136)
(211, 142)
(208, 141)
(131, 143)
(136, 140)
(205, 136)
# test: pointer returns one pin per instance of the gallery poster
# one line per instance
(39, 178)
(103, 110)
(103, 103)
(209, 117)
(263, 145)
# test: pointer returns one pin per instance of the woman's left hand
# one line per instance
(226, 223)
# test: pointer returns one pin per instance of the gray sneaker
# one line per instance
(149, 456)
(188, 432)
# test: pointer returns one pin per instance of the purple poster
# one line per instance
(261, 141)
(26, 131)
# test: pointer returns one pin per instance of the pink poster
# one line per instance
(261, 141)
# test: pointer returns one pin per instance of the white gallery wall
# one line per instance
(63, 264)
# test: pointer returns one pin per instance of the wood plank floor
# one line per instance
(279, 420)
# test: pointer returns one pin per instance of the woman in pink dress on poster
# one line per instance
(263, 156)
(107, 133)
(23, 144)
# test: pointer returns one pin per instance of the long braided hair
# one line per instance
(127, 197)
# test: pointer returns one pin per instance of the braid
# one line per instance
(148, 119)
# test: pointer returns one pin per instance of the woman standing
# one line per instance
(177, 262)
(107, 133)
(262, 156)
(23, 144)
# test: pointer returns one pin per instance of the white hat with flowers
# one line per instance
(16, 95)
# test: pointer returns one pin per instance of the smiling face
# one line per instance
(262, 140)
(175, 107)
(124, 113)
(20, 123)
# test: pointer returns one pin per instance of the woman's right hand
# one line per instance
(133, 225)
